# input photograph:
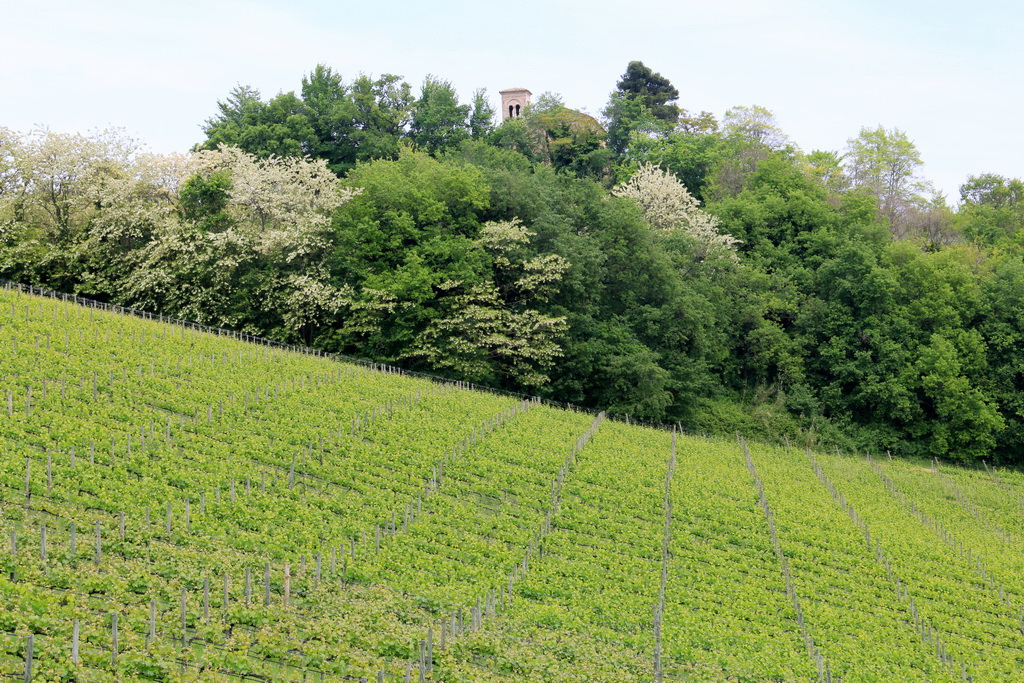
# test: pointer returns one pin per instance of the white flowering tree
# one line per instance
(285, 203)
(69, 200)
(218, 236)
(272, 238)
(669, 207)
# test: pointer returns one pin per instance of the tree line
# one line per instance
(661, 263)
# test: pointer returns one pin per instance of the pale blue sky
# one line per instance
(947, 74)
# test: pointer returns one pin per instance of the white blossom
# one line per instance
(285, 201)
(668, 206)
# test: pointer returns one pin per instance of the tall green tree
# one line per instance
(827, 168)
(1003, 331)
(756, 124)
(278, 127)
(642, 101)
(438, 121)
(750, 135)
(429, 283)
(885, 163)
(992, 210)
(326, 100)
(630, 122)
(380, 110)
(334, 121)
(481, 119)
(652, 89)
(402, 245)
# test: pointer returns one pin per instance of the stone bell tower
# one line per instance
(513, 102)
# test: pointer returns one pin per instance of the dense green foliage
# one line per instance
(251, 510)
(848, 305)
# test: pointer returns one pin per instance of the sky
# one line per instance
(946, 73)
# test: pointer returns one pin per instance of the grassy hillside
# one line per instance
(181, 505)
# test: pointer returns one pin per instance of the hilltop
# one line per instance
(656, 263)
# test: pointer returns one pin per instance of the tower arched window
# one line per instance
(514, 102)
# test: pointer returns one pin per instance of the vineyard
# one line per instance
(181, 504)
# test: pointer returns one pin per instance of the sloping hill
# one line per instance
(178, 504)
